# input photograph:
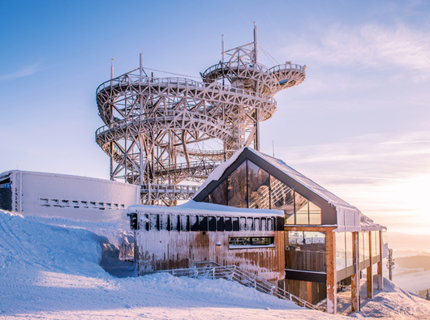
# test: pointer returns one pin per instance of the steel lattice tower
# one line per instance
(160, 133)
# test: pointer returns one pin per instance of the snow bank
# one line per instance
(395, 303)
(53, 272)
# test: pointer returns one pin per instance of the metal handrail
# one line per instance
(158, 115)
(234, 273)
(180, 83)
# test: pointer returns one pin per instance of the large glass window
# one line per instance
(219, 195)
(258, 187)
(314, 214)
(348, 245)
(340, 251)
(366, 244)
(302, 209)
(236, 184)
(305, 250)
(249, 186)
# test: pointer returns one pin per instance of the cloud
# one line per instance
(21, 73)
(385, 175)
(369, 45)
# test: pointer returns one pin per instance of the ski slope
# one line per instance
(53, 272)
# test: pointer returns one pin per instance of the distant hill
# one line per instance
(414, 262)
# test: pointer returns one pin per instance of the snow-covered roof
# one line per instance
(204, 208)
(349, 218)
(6, 174)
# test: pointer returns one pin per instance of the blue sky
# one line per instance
(359, 124)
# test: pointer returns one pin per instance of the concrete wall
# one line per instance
(71, 197)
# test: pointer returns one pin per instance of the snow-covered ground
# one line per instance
(53, 272)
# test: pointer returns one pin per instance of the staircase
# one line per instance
(212, 270)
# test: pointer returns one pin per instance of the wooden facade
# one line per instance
(180, 240)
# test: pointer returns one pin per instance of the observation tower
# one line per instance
(167, 134)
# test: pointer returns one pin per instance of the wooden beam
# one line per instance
(370, 269)
(309, 291)
(331, 272)
(380, 277)
(355, 278)
(308, 228)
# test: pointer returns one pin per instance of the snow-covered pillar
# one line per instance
(331, 272)
(370, 269)
(355, 278)
(379, 277)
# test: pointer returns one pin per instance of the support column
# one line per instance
(369, 270)
(331, 272)
(380, 277)
(309, 291)
(355, 278)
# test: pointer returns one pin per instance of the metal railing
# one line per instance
(212, 270)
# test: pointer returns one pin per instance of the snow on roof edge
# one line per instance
(204, 208)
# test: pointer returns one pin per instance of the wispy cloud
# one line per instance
(378, 173)
(370, 45)
(21, 73)
(368, 157)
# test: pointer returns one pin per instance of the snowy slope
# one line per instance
(52, 272)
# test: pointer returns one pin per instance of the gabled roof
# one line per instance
(346, 216)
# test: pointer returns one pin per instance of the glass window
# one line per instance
(258, 187)
(366, 245)
(227, 224)
(340, 251)
(219, 195)
(235, 224)
(237, 196)
(361, 246)
(203, 223)
(194, 223)
(348, 247)
(314, 213)
(302, 209)
(282, 196)
(212, 223)
(220, 226)
(305, 251)
(243, 242)
(377, 243)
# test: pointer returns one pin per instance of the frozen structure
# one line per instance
(163, 133)
(65, 196)
(308, 240)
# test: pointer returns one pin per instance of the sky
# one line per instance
(359, 124)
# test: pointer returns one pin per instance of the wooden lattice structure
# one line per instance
(161, 133)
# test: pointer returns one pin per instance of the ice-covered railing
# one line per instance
(229, 65)
(287, 66)
(212, 270)
(167, 188)
(161, 115)
(181, 83)
(183, 166)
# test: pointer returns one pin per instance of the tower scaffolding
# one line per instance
(163, 133)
